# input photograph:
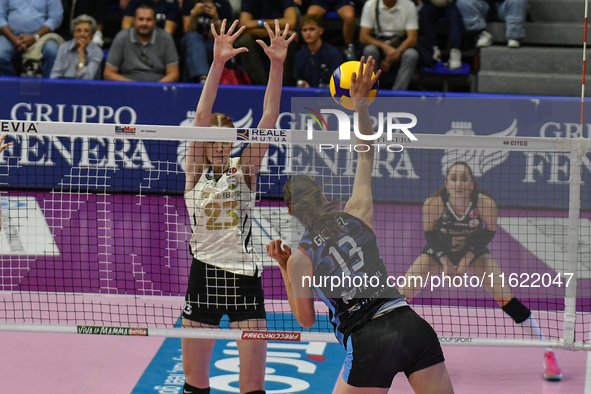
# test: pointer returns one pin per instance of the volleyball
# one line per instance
(340, 81)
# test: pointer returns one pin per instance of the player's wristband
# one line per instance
(261, 22)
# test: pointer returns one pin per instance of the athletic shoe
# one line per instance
(513, 44)
(455, 59)
(552, 371)
(484, 39)
(436, 54)
(350, 52)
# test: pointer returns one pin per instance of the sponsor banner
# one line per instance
(100, 330)
(122, 164)
(271, 336)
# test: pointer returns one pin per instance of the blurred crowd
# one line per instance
(171, 40)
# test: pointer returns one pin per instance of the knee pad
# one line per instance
(517, 311)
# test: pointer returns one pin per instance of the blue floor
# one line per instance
(292, 367)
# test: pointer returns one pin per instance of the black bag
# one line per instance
(32, 69)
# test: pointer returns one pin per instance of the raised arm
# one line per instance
(277, 51)
(360, 204)
(223, 50)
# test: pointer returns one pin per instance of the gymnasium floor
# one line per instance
(76, 364)
(122, 246)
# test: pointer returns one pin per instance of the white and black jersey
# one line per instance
(456, 233)
(221, 220)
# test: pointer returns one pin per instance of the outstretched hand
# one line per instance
(223, 48)
(362, 81)
(277, 51)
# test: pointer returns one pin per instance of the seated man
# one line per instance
(80, 57)
(143, 52)
(254, 14)
(512, 12)
(197, 43)
(23, 23)
(390, 38)
(346, 10)
(167, 13)
(315, 62)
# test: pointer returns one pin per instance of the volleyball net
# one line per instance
(96, 230)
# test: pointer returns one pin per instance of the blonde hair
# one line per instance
(221, 120)
(303, 195)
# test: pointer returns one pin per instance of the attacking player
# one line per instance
(382, 334)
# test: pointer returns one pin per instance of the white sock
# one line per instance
(531, 327)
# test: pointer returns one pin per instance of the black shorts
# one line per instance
(397, 341)
(214, 292)
(332, 5)
(455, 257)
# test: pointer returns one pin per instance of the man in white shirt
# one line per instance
(389, 30)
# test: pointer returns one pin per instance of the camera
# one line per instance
(204, 21)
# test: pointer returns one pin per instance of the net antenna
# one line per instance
(584, 66)
(109, 254)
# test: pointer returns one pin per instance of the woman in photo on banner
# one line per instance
(470, 214)
(220, 193)
(382, 334)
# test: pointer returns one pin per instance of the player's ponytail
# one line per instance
(303, 195)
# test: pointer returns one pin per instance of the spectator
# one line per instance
(428, 16)
(512, 12)
(197, 44)
(316, 62)
(23, 24)
(254, 14)
(97, 9)
(346, 10)
(80, 57)
(390, 38)
(143, 52)
(167, 13)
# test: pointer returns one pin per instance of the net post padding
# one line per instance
(579, 148)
